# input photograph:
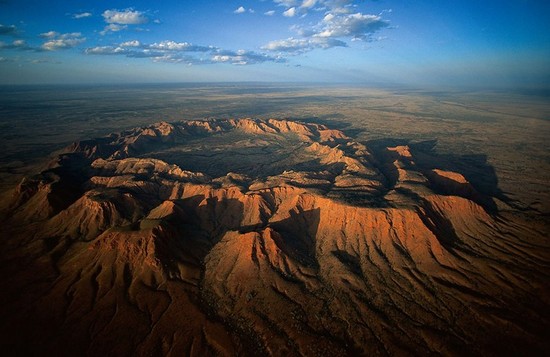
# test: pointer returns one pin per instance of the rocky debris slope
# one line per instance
(353, 251)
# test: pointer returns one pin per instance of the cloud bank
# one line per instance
(58, 41)
(339, 25)
(182, 52)
(297, 46)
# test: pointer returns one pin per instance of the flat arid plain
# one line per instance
(246, 219)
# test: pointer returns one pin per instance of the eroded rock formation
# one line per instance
(252, 236)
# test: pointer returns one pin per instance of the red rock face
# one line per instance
(320, 246)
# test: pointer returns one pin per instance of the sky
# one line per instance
(493, 44)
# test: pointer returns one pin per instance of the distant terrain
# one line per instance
(264, 219)
(509, 131)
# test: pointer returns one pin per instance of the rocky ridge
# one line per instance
(349, 251)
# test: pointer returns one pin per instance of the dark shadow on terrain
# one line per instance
(69, 187)
(191, 234)
(298, 233)
(200, 227)
(437, 223)
(351, 262)
(385, 159)
(67, 176)
(474, 168)
(334, 121)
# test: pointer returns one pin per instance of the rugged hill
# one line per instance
(269, 237)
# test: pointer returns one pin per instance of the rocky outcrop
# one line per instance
(347, 252)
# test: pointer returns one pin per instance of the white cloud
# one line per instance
(137, 49)
(288, 45)
(239, 10)
(105, 50)
(143, 53)
(308, 4)
(57, 41)
(339, 6)
(221, 58)
(335, 6)
(125, 17)
(290, 12)
(82, 15)
(170, 45)
(269, 13)
(286, 3)
(301, 45)
(328, 17)
(182, 52)
(53, 41)
(336, 29)
(133, 43)
(357, 26)
(242, 57)
(49, 34)
(176, 58)
(179, 46)
(113, 28)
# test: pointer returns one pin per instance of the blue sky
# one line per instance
(423, 43)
